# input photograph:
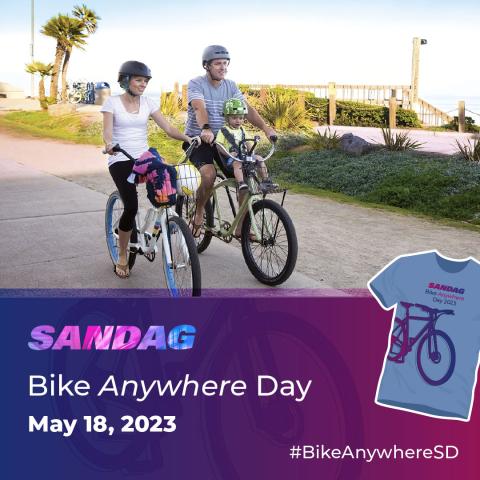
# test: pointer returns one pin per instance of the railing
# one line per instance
(385, 95)
(369, 94)
(430, 115)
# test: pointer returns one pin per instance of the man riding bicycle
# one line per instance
(206, 97)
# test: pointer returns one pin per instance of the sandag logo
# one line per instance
(446, 288)
(112, 337)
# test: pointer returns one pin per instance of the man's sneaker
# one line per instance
(242, 186)
(268, 185)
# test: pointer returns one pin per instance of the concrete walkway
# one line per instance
(52, 214)
(52, 210)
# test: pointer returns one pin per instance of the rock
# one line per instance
(354, 145)
(62, 109)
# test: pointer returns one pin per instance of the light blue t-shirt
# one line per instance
(433, 374)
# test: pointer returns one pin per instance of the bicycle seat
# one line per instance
(425, 308)
(406, 304)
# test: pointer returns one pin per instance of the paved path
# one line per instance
(52, 206)
(52, 212)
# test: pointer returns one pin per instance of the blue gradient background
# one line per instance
(339, 343)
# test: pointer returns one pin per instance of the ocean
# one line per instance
(449, 104)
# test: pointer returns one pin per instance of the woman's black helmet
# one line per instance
(131, 69)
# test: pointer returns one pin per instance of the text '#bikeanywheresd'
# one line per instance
(368, 455)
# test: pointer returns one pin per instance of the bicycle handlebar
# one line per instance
(250, 152)
(194, 144)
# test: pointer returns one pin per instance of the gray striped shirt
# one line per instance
(200, 88)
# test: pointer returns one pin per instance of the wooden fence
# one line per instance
(390, 96)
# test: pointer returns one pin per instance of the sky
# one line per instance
(273, 42)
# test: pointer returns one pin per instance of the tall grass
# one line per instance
(399, 141)
(470, 151)
(283, 111)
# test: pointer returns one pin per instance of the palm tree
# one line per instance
(69, 32)
(87, 16)
(55, 28)
(44, 70)
(81, 26)
(75, 37)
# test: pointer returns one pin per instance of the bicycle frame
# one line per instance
(404, 324)
(247, 204)
(250, 199)
(144, 244)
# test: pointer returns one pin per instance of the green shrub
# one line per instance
(398, 141)
(324, 141)
(435, 185)
(407, 118)
(470, 126)
(469, 151)
(170, 104)
(317, 109)
(359, 114)
(348, 112)
(281, 109)
(412, 188)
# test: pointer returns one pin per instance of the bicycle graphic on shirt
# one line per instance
(435, 351)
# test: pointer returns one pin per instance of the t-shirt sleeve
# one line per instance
(108, 106)
(384, 285)
(237, 93)
(152, 105)
(194, 90)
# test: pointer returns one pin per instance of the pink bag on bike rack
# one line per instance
(161, 178)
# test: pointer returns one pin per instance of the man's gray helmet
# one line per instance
(213, 52)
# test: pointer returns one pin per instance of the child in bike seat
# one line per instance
(230, 136)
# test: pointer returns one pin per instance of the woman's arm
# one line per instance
(168, 128)
(108, 131)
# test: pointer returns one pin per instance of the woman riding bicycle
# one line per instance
(125, 120)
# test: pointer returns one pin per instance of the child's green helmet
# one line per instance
(234, 106)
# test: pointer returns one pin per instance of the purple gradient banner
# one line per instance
(316, 361)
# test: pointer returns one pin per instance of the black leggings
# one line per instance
(128, 193)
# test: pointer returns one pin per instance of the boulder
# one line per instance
(354, 145)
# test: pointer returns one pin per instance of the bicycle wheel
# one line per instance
(272, 259)
(436, 357)
(250, 350)
(398, 341)
(113, 212)
(182, 274)
(75, 97)
(185, 207)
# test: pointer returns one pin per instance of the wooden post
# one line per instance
(184, 97)
(332, 103)
(263, 94)
(392, 110)
(301, 100)
(416, 68)
(461, 116)
(405, 99)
